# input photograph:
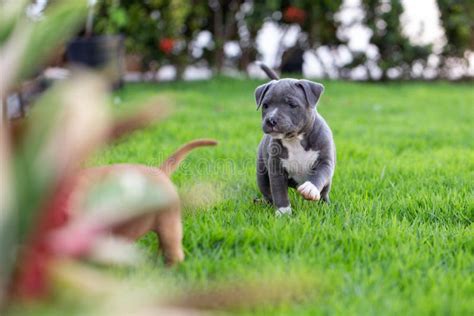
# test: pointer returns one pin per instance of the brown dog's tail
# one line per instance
(270, 72)
(170, 164)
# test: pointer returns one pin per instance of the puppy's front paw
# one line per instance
(309, 191)
(283, 211)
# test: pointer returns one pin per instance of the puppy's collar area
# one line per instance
(288, 136)
(277, 136)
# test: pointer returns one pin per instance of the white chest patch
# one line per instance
(299, 161)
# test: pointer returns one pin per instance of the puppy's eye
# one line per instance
(292, 105)
(265, 106)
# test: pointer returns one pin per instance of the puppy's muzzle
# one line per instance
(270, 125)
(270, 122)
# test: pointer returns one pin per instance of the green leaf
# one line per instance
(60, 22)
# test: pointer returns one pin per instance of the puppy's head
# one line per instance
(288, 106)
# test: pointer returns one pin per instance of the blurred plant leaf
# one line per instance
(61, 21)
(62, 130)
(128, 122)
(10, 13)
(28, 43)
(110, 201)
(6, 200)
(263, 287)
(121, 194)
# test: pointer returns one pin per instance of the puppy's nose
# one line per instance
(271, 122)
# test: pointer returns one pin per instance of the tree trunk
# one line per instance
(218, 35)
(224, 28)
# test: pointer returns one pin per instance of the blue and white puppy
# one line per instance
(297, 149)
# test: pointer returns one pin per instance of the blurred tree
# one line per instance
(196, 21)
(247, 21)
(457, 19)
(253, 15)
(318, 25)
(165, 31)
(223, 27)
(321, 25)
(153, 29)
(395, 51)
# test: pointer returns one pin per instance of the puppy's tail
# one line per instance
(170, 164)
(270, 72)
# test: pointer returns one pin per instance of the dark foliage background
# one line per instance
(160, 32)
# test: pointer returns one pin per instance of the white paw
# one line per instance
(309, 191)
(283, 211)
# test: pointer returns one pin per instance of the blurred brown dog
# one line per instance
(73, 193)
(165, 222)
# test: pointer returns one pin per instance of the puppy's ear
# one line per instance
(312, 91)
(260, 93)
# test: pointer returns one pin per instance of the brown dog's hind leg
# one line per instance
(170, 234)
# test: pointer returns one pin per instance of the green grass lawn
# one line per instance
(398, 236)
